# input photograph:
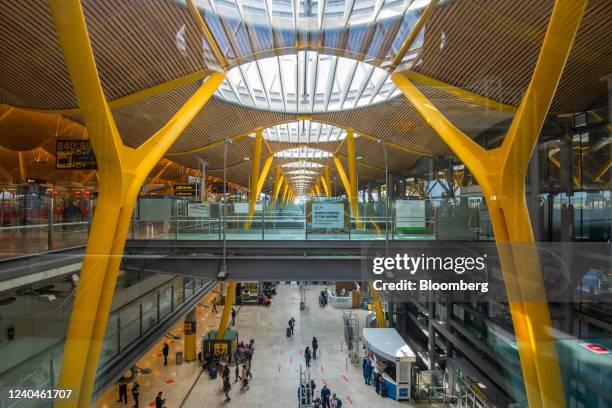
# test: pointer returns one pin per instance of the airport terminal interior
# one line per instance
(305, 203)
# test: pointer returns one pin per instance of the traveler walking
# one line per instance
(315, 347)
(307, 356)
(136, 393)
(226, 388)
(165, 351)
(325, 393)
(291, 325)
(233, 316)
(313, 385)
(245, 380)
(248, 364)
(214, 305)
(237, 372)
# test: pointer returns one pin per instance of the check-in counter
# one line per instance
(393, 358)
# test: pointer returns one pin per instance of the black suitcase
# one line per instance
(288, 331)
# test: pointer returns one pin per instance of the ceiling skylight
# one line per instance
(303, 152)
(306, 82)
(304, 131)
(302, 172)
(303, 164)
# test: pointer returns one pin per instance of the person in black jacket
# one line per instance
(315, 347)
(136, 393)
(122, 393)
(159, 401)
(165, 351)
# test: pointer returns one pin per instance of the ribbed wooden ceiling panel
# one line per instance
(487, 47)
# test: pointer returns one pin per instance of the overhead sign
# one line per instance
(199, 210)
(327, 215)
(410, 215)
(75, 154)
(184, 190)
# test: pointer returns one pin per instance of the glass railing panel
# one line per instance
(149, 311)
(130, 324)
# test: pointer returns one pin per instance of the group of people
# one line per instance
(242, 370)
(372, 376)
(308, 354)
(326, 399)
(323, 298)
(123, 391)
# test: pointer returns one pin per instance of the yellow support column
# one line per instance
(352, 168)
(327, 179)
(230, 294)
(264, 174)
(501, 175)
(278, 184)
(325, 185)
(317, 188)
(121, 173)
(285, 191)
(255, 162)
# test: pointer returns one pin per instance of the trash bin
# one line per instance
(179, 357)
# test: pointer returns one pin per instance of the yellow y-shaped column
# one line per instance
(501, 175)
(278, 183)
(255, 162)
(121, 172)
(352, 168)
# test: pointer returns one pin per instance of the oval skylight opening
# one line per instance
(303, 152)
(303, 164)
(306, 82)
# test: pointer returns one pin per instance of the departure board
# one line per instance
(75, 154)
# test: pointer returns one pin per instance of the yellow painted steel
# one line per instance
(325, 184)
(22, 166)
(230, 295)
(459, 92)
(343, 177)
(278, 177)
(255, 163)
(327, 179)
(317, 189)
(501, 175)
(602, 170)
(352, 168)
(121, 171)
(285, 191)
(378, 308)
(414, 32)
(210, 38)
(264, 174)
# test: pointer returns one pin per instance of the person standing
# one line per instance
(248, 364)
(237, 372)
(377, 383)
(291, 325)
(233, 316)
(136, 393)
(368, 373)
(159, 401)
(313, 385)
(245, 380)
(307, 356)
(315, 347)
(335, 402)
(325, 393)
(122, 392)
(214, 305)
(165, 351)
(226, 388)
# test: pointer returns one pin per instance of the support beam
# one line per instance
(22, 166)
(352, 168)
(285, 191)
(121, 172)
(317, 188)
(501, 175)
(327, 179)
(264, 174)
(255, 162)
(278, 182)
(230, 294)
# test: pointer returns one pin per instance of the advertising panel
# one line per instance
(410, 215)
(326, 215)
(199, 210)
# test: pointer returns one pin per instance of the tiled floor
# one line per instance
(277, 359)
(175, 381)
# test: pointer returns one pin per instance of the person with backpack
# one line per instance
(336, 402)
(315, 347)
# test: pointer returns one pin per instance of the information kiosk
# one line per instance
(391, 357)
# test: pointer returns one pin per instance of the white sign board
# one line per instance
(243, 208)
(325, 215)
(199, 210)
(410, 215)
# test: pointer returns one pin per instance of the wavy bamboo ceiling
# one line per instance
(487, 47)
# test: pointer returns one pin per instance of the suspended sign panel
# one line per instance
(325, 215)
(199, 210)
(75, 154)
(184, 190)
(410, 215)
